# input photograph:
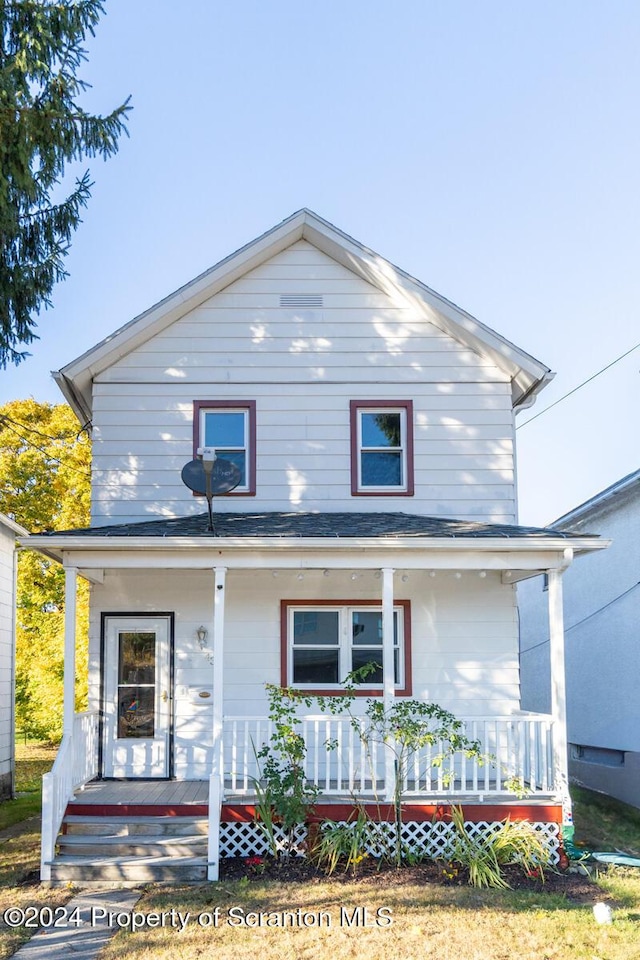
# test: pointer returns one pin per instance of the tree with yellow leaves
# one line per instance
(44, 485)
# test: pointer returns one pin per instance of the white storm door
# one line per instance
(137, 705)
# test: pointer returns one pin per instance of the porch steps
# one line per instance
(153, 848)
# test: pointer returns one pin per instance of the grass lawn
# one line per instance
(32, 761)
(20, 843)
(428, 920)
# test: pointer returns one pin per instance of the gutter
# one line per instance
(457, 544)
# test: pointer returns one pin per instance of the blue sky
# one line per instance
(491, 149)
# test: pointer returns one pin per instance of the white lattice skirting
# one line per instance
(435, 840)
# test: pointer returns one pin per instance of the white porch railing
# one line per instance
(516, 750)
(75, 764)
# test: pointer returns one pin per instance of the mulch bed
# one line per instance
(372, 873)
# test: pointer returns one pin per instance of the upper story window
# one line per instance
(229, 426)
(324, 642)
(382, 448)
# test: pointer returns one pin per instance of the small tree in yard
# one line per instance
(405, 728)
(42, 129)
(284, 796)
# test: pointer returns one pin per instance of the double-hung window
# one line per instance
(229, 426)
(382, 448)
(324, 642)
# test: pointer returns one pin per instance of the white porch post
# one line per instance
(69, 686)
(558, 692)
(388, 679)
(215, 780)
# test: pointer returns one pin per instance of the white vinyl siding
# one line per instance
(302, 367)
(464, 640)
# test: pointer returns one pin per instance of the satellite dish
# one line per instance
(225, 476)
(221, 478)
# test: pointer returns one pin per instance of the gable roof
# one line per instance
(616, 495)
(528, 376)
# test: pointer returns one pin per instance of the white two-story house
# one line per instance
(371, 422)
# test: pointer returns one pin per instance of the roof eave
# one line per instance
(528, 375)
(14, 527)
(57, 546)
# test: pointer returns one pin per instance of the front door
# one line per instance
(137, 696)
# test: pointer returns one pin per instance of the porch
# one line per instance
(437, 614)
(155, 829)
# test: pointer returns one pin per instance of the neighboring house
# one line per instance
(372, 423)
(602, 615)
(9, 532)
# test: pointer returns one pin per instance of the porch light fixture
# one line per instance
(325, 573)
(482, 574)
(405, 577)
(300, 576)
(202, 633)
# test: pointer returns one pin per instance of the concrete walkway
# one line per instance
(83, 941)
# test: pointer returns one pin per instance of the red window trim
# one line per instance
(374, 692)
(355, 406)
(250, 406)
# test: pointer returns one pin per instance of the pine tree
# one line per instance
(42, 130)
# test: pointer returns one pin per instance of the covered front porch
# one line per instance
(443, 601)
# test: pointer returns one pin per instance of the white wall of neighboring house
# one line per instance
(8, 532)
(302, 366)
(602, 624)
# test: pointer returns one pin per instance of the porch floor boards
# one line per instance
(143, 793)
(183, 793)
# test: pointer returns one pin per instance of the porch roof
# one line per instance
(306, 540)
(312, 525)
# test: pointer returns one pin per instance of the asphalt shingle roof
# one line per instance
(303, 525)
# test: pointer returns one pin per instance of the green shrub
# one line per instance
(513, 844)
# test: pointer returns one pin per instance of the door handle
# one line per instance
(164, 696)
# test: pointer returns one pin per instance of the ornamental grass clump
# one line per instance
(344, 843)
(514, 843)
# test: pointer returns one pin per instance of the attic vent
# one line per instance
(302, 300)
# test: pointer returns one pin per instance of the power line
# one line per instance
(5, 418)
(81, 473)
(584, 619)
(579, 387)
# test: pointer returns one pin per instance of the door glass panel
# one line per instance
(136, 685)
(137, 658)
(136, 712)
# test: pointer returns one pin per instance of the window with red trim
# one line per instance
(229, 426)
(324, 641)
(382, 448)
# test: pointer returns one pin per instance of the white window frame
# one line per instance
(344, 645)
(246, 449)
(402, 449)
